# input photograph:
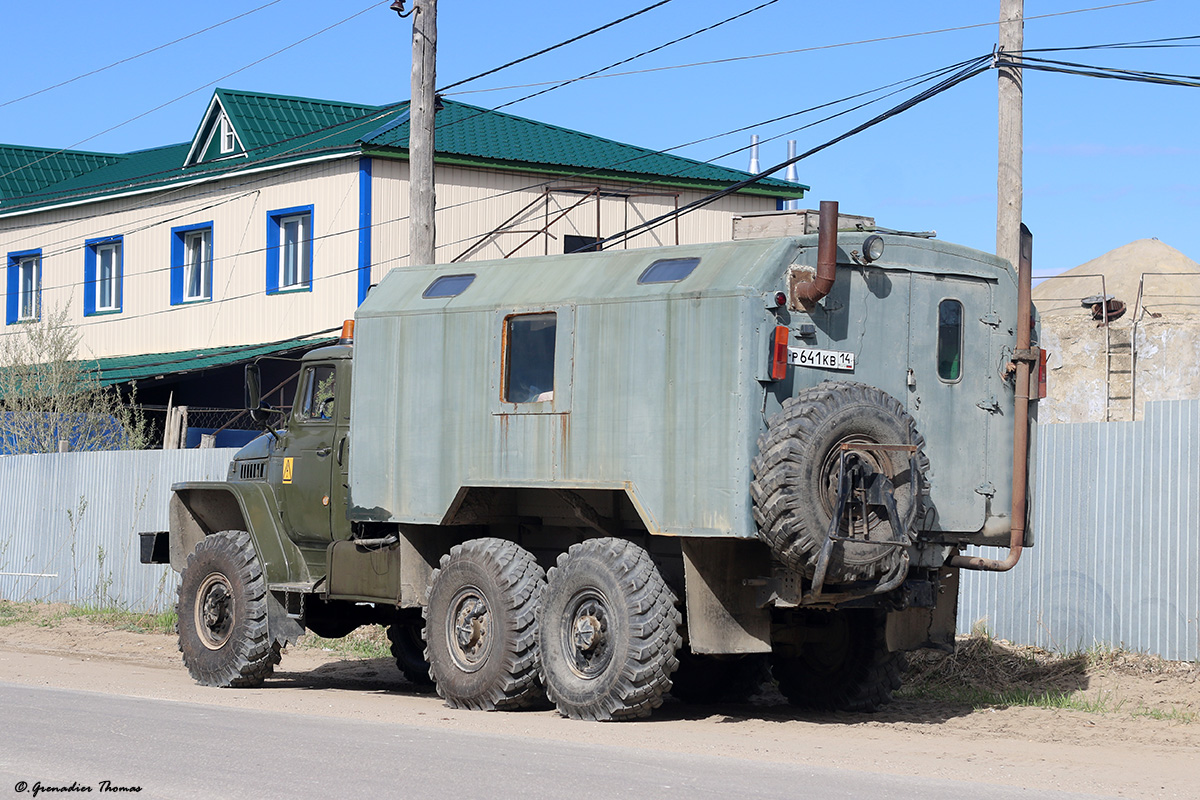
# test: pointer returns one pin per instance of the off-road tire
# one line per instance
(493, 665)
(222, 612)
(795, 477)
(625, 668)
(850, 669)
(719, 679)
(408, 647)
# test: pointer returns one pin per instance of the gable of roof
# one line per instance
(29, 169)
(276, 130)
(262, 120)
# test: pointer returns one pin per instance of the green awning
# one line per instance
(123, 369)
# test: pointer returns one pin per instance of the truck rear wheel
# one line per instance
(796, 473)
(222, 613)
(845, 666)
(609, 632)
(408, 647)
(480, 627)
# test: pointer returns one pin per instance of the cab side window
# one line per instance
(529, 358)
(317, 392)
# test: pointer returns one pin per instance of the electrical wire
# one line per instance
(812, 49)
(139, 55)
(545, 50)
(198, 89)
(642, 54)
(977, 66)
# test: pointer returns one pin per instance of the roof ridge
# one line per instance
(295, 98)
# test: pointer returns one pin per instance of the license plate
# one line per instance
(820, 359)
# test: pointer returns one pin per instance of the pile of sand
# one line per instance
(1123, 269)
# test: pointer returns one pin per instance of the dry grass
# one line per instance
(986, 672)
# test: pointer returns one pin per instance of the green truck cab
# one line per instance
(601, 477)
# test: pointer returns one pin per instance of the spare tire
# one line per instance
(796, 473)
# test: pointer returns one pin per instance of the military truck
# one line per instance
(560, 477)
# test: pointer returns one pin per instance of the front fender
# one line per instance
(199, 508)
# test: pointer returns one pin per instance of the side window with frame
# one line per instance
(103, 275)
(950, 340)
(289, 250)
(529, 358)
(191, 263)
(317, 396)
(24, 284)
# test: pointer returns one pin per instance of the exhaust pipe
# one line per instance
(827, 232)
(1024, 358)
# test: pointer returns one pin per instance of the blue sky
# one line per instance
(1106, 162)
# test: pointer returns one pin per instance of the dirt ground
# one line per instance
(1131, 728)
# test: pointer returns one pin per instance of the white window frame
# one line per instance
(228, 136)
(295, 252)
(197, 264)
(29, 283)
(110, 282)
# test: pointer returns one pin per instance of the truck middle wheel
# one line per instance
(609, 632)
(480, 627)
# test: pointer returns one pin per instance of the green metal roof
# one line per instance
(30, 169)
(123, 369)
(275, 130)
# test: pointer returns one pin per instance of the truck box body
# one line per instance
(660, 390)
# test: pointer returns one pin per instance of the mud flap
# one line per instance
(914, 628)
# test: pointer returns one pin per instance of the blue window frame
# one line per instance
(191, 263)
(289, 250)
(24, 287)
(103, 275)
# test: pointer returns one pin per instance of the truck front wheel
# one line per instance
(480, 628)
(609, 632)
(223, 613)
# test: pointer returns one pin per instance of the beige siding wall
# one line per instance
(472, 203)
(240, 311)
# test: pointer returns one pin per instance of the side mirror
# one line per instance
(254, 394)
(253, 387)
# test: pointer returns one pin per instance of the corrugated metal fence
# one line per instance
(1117, 553)
(1117, 559)
(69, 528)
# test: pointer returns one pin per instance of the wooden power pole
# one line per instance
(1008, 182)
(421, 198)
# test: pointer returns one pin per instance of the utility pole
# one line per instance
(1008, 181)
(421, 198)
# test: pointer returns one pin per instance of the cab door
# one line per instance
(309, 456)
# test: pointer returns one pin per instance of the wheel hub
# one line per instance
(468, 629)
(214, 611)
(588, 635)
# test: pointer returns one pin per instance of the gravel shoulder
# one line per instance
(1143, 742)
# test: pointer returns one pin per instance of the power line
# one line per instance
(197, 89)
(139, 55)
(814, 48)
(545, 50)
(593, 73)
(973, 68)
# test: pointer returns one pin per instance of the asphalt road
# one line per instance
(73, 740)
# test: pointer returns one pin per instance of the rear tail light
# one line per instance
(779, 353)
